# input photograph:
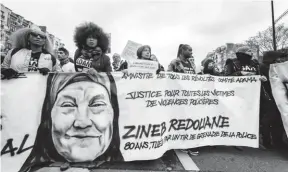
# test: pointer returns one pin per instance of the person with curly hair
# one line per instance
(31, 52)
(211, 68)
(92, 43)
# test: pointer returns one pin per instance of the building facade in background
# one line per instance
(10, 22)
(228, 51)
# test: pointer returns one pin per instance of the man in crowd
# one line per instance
(65, 63)
(118, 63)
(182, 64)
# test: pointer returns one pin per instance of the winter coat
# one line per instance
(19, 59)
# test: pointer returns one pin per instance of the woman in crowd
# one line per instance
(32, 51)
(182, 64)
(144, 53)
(92, 45)
(210, 68)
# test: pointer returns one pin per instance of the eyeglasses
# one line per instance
(35, 35)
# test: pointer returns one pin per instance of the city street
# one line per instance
(226, 159)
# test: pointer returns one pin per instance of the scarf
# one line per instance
(90, 53)
(64, 61)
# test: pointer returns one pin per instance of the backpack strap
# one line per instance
(14, 51)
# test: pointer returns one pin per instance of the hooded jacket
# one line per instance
(234, 67)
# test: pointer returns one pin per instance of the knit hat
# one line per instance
(244, 50)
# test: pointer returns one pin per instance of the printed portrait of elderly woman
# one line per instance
(79, 123)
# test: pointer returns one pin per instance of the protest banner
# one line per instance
(21, 104)
(278, 74)
(142, 65)
(130, 50)
(125, 116)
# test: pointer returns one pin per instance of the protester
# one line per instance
(210, 68)
(118, 63)
(144, 53)
(244, 65)
(32, 51)
(182, 64)
(66, 64)
(92, 45)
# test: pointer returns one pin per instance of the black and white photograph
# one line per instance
(144, 85)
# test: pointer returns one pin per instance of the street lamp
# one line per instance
(273, 26)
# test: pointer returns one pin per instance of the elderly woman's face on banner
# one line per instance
(82, 119)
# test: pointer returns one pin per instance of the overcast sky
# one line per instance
(162, 24)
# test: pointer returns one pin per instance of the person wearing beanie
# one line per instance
(65, 63)
(244, 65)
(92, 45)
(184, 61)
(210, 68)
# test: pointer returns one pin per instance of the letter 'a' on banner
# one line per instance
(132, 116)
(130, 50)
(21, 106)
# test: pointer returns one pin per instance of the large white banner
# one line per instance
(79, 117)
(178, 111)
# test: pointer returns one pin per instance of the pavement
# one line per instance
(220, 158)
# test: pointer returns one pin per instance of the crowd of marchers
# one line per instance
(32, 52)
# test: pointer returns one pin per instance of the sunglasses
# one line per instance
(35, 35)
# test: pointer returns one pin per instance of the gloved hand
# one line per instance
(44, 71)
(8, 73)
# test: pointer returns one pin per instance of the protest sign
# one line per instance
(130, 50)
(278, 74)
(142, 65)
(126, 116)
